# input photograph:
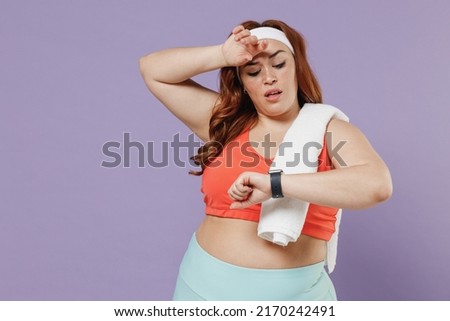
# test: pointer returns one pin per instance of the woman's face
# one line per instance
(270, 80)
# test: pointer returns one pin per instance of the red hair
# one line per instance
(235, 111)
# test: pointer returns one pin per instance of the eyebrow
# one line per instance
(251, 63)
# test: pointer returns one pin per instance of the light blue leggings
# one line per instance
(203, 277)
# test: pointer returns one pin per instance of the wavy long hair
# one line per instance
(235, 111)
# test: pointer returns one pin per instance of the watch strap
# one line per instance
(275, 183)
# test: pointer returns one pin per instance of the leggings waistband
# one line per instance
(214, 279)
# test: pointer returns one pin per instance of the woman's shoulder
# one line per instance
(341, 127)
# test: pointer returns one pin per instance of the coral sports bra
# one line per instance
(239, 156)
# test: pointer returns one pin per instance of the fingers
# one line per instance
(240, 205)
(248, 189)
(244, 36)
(237, 29)
(262, 45)
(241, 34)
(249, 40)
(242, 46)
(238, 191)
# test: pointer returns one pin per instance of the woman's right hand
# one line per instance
(167, 73)
(241, 47)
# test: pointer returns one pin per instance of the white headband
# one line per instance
(271, 33)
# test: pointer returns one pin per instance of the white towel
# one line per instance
(282, 219)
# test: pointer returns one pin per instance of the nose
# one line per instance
(270, 77)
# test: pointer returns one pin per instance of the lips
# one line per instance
(273, 95)
(272, 92)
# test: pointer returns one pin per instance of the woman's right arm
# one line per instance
(168, 74)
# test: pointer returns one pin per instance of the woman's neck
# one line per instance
(279, 123)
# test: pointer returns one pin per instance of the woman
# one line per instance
(263, 85)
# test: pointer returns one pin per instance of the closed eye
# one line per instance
(279, 66)
(254, 74)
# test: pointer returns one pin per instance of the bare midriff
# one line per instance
(235, 241)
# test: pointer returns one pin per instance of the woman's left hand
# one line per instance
(248, 189)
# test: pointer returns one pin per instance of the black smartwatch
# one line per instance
(275, 183)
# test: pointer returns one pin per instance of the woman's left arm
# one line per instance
(360, 179)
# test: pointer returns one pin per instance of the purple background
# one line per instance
(69, 82)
